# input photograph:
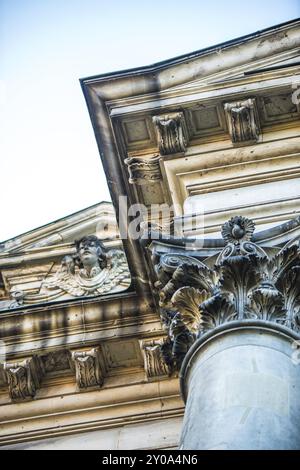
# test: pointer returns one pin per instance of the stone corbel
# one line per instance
(171, 131)
(243, 120)
(89, 368)
(23, 378)
(154, 363)
(143, 171)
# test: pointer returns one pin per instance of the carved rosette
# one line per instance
(243, 120)
(246, 281)
(171, 131)
(23, 378)
(143, 171)
(89, 368)
(237, 230)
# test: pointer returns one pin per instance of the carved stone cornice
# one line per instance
(23, 378)
(243, 120)
(89, 368)
(245, 281)
(143, 171)
(154, 363)
(171, 131)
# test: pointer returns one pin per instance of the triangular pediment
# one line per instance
(44, 264)
(272, 64)
(99, 218)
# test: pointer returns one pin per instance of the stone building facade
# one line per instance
(180, 326)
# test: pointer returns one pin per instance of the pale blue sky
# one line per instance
(50, 165)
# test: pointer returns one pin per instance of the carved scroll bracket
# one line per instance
(89, 368)
(154, 363)
(171, 131)
(23, 378)
(243, 120)
(143, 171)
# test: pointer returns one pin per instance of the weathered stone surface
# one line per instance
(89, 368)
(210, 173)
(23, 378)
(244, 282)
(242, 390)
(243, 121)
(171, 130)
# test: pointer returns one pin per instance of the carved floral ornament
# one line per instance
(245, 282)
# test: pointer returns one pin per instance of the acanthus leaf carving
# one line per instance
(238, 275)
(287, 257)
(289, 285)
(89, 368)
(246, 281)
(243, 120)
(171, 131)
(192, 275)
(23, 378)
(217, 310)
(186, 301)
(182, 339)
(266, 303)
(178, 341)
(154, 360)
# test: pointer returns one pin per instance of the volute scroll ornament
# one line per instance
(247, 281)
(143, 171)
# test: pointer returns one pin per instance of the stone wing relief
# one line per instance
(91, 271)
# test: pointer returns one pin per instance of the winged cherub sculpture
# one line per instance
(90, 271)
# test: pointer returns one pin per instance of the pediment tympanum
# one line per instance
(91, 270)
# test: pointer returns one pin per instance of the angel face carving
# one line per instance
(91, 256)
(88, 271)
